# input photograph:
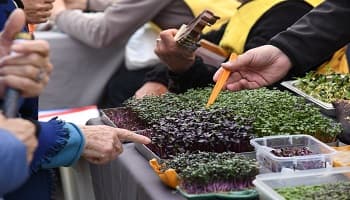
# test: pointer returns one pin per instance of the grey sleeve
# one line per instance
(98, 5)
(120, 20)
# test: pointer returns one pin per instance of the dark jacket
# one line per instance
(315, 37)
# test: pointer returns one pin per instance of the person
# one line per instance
(18, 136)
(253, 24)
(60, 143)
(307, 43)
(17, 145)
(98, 30)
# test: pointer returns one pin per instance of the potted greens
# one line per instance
(211, 175)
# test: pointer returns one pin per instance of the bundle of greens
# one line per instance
(207, 172)
(339, 191)
(215, 130)
(327, 88)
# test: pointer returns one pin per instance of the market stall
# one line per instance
(283, 132)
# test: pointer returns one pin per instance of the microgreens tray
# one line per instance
(245, 194)
(326, 108)
(122, 117)
(328, 179)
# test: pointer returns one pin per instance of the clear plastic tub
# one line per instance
(321, 156)
(266, 184)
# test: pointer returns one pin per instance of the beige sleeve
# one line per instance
(120, 20)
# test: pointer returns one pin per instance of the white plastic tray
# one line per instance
(266, 183)
(326, 108)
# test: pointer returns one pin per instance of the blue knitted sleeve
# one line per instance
(60, 144)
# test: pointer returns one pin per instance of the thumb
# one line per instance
(14, 25)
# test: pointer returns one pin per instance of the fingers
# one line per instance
(167, 36)
(28, 87)
(32, 46)
(33, 59)
(242, 84)
(124, 134)
(14, 25)
(28, 71)
(101, 152)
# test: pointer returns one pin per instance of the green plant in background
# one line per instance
(327, 88)
(338, 191)
(206, 172)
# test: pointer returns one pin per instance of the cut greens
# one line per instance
(327, 88)
(207, 172)
(338, 191)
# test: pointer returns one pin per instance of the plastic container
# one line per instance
(321, 156)
(234, 195)
(325, 108)
(266, 184)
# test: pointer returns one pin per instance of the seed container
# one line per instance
(321, 156)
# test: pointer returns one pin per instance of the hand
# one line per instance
(177, 58)
(256, 68)
(76, 4)
(151, 89)
(103, 143)
(24, 131)
(58, 7)
(37, 11)
(28, 70)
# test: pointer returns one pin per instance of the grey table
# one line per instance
(129, 177)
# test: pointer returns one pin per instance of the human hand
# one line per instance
(103, 143)
(24, 131)
(28, 70)
(151, 89)
(37, 11)
(177, 58)
(76, 4)
(258, 67)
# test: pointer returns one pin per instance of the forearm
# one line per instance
(319, 34)
(118, 22)
(14, 168)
